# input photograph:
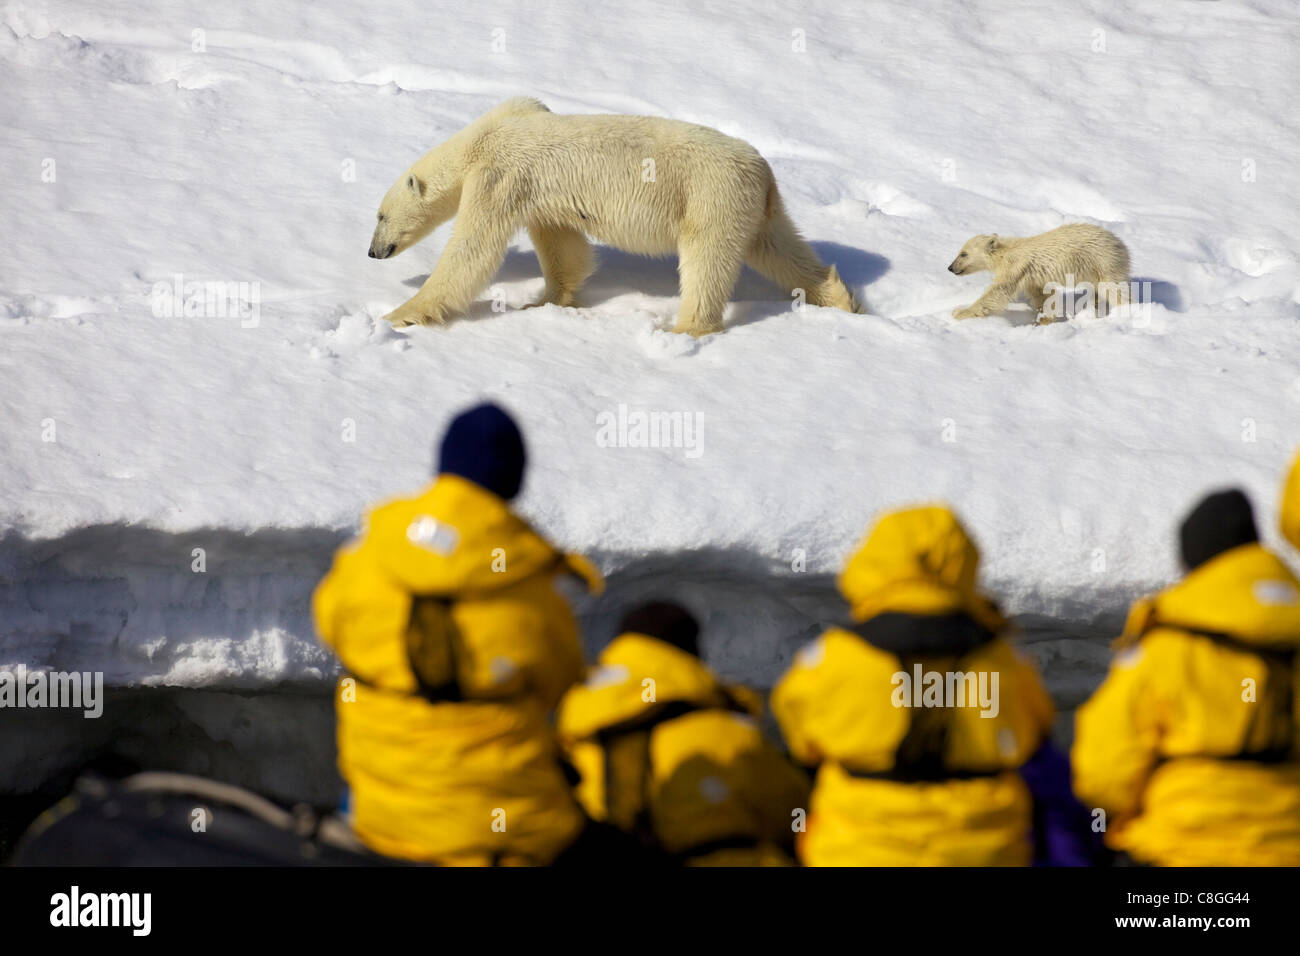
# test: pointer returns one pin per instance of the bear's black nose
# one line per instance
(371, 254)
(952, 269)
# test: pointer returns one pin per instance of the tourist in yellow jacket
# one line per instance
(455, 647)
(917, 715)
(1190, 743)
(1291, 505)
(669, 753)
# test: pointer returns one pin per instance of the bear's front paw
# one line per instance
(964, 313)
(415, 314)
(696, 330)
(564, 300)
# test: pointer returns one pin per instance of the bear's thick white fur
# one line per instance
(642, 184)
(1068, 256)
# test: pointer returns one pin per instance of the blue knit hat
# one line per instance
(1220, 522)
(484, 445)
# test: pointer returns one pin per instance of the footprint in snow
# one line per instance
(659, 343)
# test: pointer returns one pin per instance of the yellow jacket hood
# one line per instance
(917, 561)
(634, 673)
(456, 537)
(1247, 593)
(1291, 505)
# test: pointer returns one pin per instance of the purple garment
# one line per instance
(1063, 834)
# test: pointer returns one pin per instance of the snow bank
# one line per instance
(130, 438)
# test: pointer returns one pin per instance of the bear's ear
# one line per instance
(415, 184)
(992, 243)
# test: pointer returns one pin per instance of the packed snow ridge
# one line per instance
(173, 483)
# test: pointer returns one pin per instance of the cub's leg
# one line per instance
(1038, 300)
(566, 261)
(995, 298)
(1114, 291)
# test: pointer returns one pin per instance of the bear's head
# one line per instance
(975, 256)
(411, 210)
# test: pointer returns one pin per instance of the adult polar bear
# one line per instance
(645, 185)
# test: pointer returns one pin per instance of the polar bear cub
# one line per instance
(638, 183)
(1037, 267)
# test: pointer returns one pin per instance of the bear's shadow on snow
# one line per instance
(856, 267)
(620, 273)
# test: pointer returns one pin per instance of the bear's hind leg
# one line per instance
(708, 266)
(782, 255)
(566, 261)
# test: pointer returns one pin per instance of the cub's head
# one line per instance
(411, 210)
(975, 256)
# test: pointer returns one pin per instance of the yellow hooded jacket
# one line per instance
(1190, 743)
(1290, 509)
(668, 751)
(461, 767)
(844, 707)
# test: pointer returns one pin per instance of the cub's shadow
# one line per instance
(1160, 292)
(619, 273)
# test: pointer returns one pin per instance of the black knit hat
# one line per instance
(1222, 521)
(666, 621)
(484, 445)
